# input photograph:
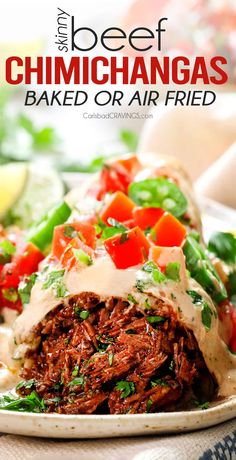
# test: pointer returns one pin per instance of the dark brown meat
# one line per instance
(107, 357)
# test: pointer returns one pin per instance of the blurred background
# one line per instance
(61, 138)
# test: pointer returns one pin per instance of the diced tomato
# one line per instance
(63, 234)
(146, 217)
(128, 249)
(227, 315)
(24, 262)
(119, 207)
(130, 163)
(113, 178)
(68, 259)
(168, 231)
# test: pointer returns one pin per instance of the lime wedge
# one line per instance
(13, 178)
(43, 189)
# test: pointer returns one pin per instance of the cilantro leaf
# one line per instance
(172, 271)
(75, 371)
(53, 277)
(203, 406)
(54, 281)
(69, 231)
(159, 382)
(83, 257)
(29, 403)
(206, 313)
(206, 316)
(223, 245)
(149, 405)
(27, 384)
(157, 275)
(132, 299)
(77, 381)
(25, 288)
(108, 232)
(126, 387)
(84, 314)
(155, 319)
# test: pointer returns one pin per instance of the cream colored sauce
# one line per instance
(104, 279)
(8, 371)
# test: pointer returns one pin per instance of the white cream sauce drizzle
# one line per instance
(103, 279)
(8, 372)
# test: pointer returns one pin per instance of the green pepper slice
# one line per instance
(159, 193)
(202, 270)
(41, 232)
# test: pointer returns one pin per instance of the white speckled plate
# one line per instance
(104, 426)
(215, 217)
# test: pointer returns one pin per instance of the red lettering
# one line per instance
(218, 70)
(9, 71)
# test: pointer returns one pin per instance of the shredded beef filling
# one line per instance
(114, 357)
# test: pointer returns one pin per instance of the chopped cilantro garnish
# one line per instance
(159, 382)
(54, 281)
(124, 237)
(109, 231)
(69, 231)
(206, 313)
(27, 384)
(155, 319)
(147, 304)
(116, 224)
(141, 284)
(83, 257)
(25, 288)
(206, 316)
(203, 406)
(77, 381)
(171, 365)
(172, 271)
(127, 388)
(84, 314)
(75, 371)
(30, 403)
(130, 331)
(157, 275)
(197, 298)
(149, 405)
(223, 245)
(53, 277)
(55, 400)
(132, 299)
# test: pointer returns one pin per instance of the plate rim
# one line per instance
(229, 403)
